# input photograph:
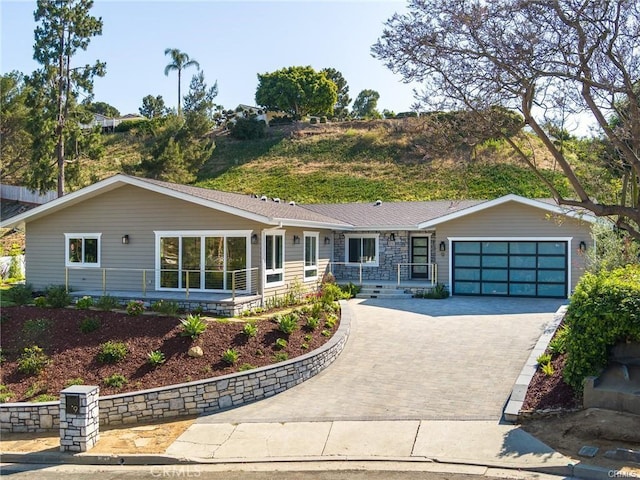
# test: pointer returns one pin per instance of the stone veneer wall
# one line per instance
(203, 396)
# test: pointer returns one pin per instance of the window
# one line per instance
(205, 261)
(274, 257)
(362, 249)
(82, 249)
(310, 255)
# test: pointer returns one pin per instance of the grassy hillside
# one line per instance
(365, 162)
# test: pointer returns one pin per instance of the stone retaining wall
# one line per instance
(202, 396)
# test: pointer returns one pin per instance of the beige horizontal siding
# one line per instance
(514, 220)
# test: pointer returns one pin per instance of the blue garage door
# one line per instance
(506, 268)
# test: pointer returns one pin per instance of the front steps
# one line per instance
(383, 291)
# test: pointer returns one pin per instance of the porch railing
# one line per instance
(238, 282)
(431, 271)
(347, 266)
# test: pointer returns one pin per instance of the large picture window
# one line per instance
(82, 249)
(310, 255)
(274, 257)
(203, 261)
(362, 249)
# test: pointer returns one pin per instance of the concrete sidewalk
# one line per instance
(485, 443)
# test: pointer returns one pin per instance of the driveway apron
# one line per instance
(453, 359)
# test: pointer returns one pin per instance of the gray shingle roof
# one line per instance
(248, 203)
(392, 214)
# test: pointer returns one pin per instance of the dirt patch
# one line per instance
(607, 430)
(72, 355)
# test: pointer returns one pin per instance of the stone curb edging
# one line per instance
(192, 398)
(512, 411)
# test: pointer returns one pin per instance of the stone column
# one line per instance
(79, 418)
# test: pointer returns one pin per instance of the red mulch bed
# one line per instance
(73, 354)
(550, 392)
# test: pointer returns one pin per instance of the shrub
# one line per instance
(130, 125)
(73, 381)
(330, 292)
(230, 356)
(281, 344)
(5, 394)
(246, 366)
(35, 329)
(604, 310)
(112, 352)
(20, 294)
(193, 326)
(117, 380)
(107, 303)
(247, 129)
(250, 329)
(312, 323)
(89, 324)
(325, 333)
(40, 302)
(287, 324)
(84, 302)
(281, 356)
(558, 344)
(350, 290)
(156, 358)
(135, 308)
(543, 359)
(304, 346)
(32, 360)
(165, 306)
(57, 296)
(331, 320)
(438, 292)
(45, 397)
(548, 370)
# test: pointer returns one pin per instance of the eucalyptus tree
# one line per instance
(552, 60)
(179, 61)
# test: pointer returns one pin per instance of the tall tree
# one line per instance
(64, 27)
(179, 61)
(546, 58)
(298, 91)
(199, 105)
(366, 104)
(153, 107)
(341, 108)
(16, 140)
(103, 108)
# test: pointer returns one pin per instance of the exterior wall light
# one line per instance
(582, 247)
(296, 240)
(392, 237)
(443, 246)
(254, 238)
(125, 239)
(327, 240)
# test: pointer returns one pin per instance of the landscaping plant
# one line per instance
(192, 326)
(112, 352)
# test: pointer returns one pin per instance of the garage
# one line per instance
(519, 268)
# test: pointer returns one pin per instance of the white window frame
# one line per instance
(273, 271)
(202, 234)
(315, 266)
(375, 262)
(83, 237)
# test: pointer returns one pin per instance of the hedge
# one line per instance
(603, 311)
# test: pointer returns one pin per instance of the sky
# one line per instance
(232, 41)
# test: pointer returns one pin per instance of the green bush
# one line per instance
(543, 359)
(330, 292)
(312, 323)
(57, 296)
(40, 302)
(165, 306)
(73, 381)
(288, 323)
(20, 294)
(156, 358)
(558, 344)
(112, 352)
(45, 397)
(246, 366)
(5, 394)
(350, 290)
(129, 125)
(438, 292)
(230, 356)
(547, 369)
(247, 129)
(107, 303)
(117, 380)
(250, 329)
(604, 310)
(193, 326)
(281, 356)
(32, 360)
(135, 308)
(281, 344)
(84, 302)
(89, 324)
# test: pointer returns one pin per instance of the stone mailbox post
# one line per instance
(79, 418)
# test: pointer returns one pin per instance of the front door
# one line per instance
(419, 257)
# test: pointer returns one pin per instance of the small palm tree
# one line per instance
(179, 61)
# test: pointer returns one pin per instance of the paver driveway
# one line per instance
(453, 359)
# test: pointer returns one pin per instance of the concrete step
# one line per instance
(398, 294)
